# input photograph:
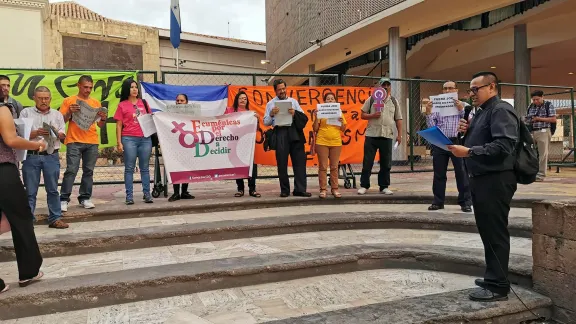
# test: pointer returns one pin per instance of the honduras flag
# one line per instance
(212, 99)
(175, 25)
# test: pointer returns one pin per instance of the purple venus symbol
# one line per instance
(378, 95)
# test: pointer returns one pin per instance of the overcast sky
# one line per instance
(247, 17)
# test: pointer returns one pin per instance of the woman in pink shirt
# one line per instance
(240, 104)
(131, 139)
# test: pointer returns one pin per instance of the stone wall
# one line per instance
(554, 253)
(56, 27)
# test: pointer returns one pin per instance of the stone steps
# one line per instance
(100, 264)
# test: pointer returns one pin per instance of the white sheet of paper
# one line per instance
(23, 128)
(193, 109)
(444, 104)
(283, 118)
(87, 115)
(147, 124)
(51, 139)
(329, 110)
(333, 121)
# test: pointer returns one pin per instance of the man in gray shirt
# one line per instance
(5, 88)
(48, 124)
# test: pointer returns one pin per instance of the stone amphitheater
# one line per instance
(363, 259)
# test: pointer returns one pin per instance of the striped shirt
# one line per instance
(540, 111)
(447, 124)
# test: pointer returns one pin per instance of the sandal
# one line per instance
(239, 194)
(322, 194)
(336, 194)
(24, 283)
(6, 288)
(255, 194)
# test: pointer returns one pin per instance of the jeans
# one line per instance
(384, 147)
(141, 148)
(49, 166)
(75, 152)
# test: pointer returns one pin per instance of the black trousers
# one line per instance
(176, 188)
(384, 147)
(491, 197)
(251, 180)
(14, 204)
(440, 159)
(284, 148)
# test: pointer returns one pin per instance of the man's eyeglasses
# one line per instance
(448, 88)
(474, 90)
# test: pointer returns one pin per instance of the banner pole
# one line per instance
(177, 58)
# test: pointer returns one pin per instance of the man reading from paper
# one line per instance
(82, 145)
(286, 115)
(49, 125)
(448, 124)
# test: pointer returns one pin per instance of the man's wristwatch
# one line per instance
(470, 152)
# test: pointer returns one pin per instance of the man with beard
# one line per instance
(289, 142)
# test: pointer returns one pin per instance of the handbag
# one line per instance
(153, 137)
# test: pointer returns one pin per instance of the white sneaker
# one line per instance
(64, 206)
(386, 191)
(87, 204)
(362, 191)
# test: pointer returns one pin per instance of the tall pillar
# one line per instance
(397, 68)
(312, 81)
(522, 69)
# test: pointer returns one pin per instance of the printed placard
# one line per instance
(444, 104)
(329, 110)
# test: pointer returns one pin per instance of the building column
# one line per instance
(312, 81)
(522, 69)
(397, 64)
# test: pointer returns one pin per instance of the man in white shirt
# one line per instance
(48, 124)
(290, 142)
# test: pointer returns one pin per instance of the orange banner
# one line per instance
(351, 100)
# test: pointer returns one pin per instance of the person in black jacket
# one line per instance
(289, 142)
(489, 152)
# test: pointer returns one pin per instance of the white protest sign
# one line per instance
(192, 109)
(329, 110)
(444, 104)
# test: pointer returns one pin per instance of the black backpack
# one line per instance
(526, 165)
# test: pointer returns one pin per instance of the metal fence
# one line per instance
(247, 79)
(417, 157)
(414, 156)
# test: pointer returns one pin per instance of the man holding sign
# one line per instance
(447, 118)
(81, 144)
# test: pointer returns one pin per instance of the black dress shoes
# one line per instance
(435, 207)
(466, 209)
(284, 195)
(301, 194)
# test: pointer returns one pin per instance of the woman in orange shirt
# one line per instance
(328, 147)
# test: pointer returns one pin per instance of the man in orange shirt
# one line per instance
(80, 145)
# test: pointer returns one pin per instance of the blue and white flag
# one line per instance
(175, 25)
(212, 99)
